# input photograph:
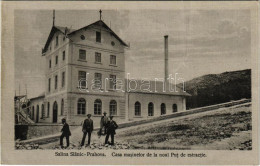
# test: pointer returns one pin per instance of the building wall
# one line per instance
(157, 100)
(75, 118)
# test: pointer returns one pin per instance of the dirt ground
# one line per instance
(223, 129)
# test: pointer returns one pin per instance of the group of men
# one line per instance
(107, 124)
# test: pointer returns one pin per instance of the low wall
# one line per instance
(30, 131)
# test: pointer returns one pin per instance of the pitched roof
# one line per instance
(55, 29)
(154, 87)
(70, 32)
(103, 24)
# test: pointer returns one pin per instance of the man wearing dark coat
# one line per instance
(111, 130)
(87, 128)
(65, 133)
(103, 123)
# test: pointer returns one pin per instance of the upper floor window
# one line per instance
(82, 54)
(82, 78)
(97, 57)
(56, 81)
(63, 55)
(49, 63)
(49, 85)
(57, 40)
(98, 80)
(98, 36)
(56, 59)
(112, 81)
(112, 59)
(63, 79)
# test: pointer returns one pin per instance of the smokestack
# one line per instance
(166, 74)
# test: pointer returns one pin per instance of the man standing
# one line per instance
(111, 130)
(103, 123)
(65, 133)
(87, 128)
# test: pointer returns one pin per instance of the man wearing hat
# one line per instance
(65, 133)
(103, 123)
(87, 128)
(111, 130)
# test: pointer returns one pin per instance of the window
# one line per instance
(49, 85)
(174, 108)
(98, 37)
(56, 59)
(82, 54)
(82, 78)
(64, 38)
(57, 40)
(48, 110)
(49, 63)
(137, 109)
(98, 80)
(81, 106)
(97, 107)
(32, 113)
(150, 109)
(82, 37)
(97, 57)
(50, 47)
(163, 109)
(112, 81)
(113, 107)
(63, 79)
(62, 107)
(112, 59)
(63, 55)
(56, 81)
(43, 113)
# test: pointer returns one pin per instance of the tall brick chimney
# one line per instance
(166, 73)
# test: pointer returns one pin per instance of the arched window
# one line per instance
(113, 107)
(163, 109)
(43, 113)
(48, 110)
(32, 117)
(174, 108)
(55, 112)
(137, 109)
(81, 106)
(98, 107)
(62, 107)
(37, 113)
(150, 109)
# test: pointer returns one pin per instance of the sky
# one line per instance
(200, 41)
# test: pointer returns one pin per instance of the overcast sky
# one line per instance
(200, 41)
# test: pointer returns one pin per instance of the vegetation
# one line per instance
(218, 88)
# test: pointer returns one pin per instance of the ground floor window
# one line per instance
(174, 108)
(98, 107)
(150, 109)
(137, 109)
(81, 106)
(43, 113)
(163, 109)
(113, 107)
(62, 107)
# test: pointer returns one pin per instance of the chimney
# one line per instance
(166, 74)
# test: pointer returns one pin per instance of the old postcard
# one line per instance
(130, 83)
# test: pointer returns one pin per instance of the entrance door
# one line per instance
(37, 114)
(55, 112)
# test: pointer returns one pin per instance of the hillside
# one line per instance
(218, 88)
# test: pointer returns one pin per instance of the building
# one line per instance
(96, 54)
